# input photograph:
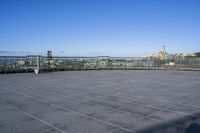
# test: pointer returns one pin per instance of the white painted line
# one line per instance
(64, 108)
(161, 109)
(149, 106)
(162, 100)
(155, 107)
(78, 113)
(30, 115)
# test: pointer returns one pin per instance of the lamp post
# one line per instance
(49, 57)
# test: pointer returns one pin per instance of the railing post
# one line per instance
(37, 69)
(38, 62)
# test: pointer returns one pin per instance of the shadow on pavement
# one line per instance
(188, 124)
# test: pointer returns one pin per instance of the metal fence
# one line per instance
(11, 64)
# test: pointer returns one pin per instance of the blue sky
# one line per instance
(99, 27)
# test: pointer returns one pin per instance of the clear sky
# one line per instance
(99, 27)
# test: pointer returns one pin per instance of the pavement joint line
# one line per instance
(78, 113)
(195, 95)
(179, 112)
(155, 107)
(169, 110)
(92, 103)
(56, 93)
(76, 99)
(149, 106)
(38, 119)
(149, 117)
(162, 100)
(118, 110)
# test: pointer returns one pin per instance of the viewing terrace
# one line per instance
(118, 101)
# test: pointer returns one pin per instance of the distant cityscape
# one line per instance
(162, 60)
(163, 54)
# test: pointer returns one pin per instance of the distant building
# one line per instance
(197, 54)
(183, 55)
(162, 54)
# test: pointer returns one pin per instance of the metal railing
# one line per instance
(11, 64)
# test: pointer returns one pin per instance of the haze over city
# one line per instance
(98, 27)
